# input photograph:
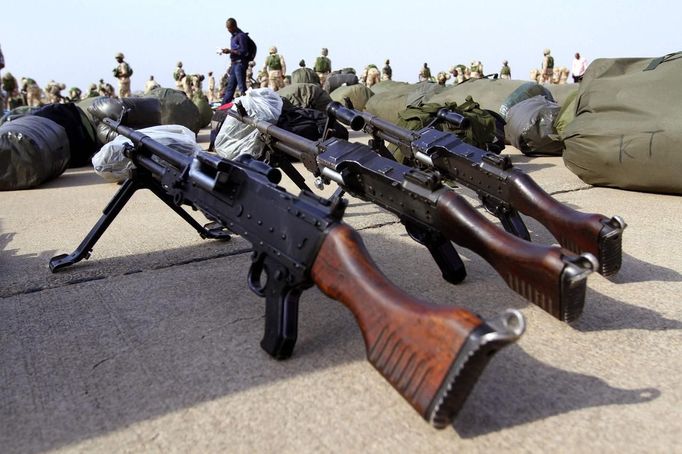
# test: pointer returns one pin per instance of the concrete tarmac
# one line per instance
(152, 345)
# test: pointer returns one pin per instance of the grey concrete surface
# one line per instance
(152, 345)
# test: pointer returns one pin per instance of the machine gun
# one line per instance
(434, 215)
(432, 355)
(503, 190)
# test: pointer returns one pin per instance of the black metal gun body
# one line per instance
(504, 190)
(550, 277)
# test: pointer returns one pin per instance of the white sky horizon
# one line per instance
(79, 47)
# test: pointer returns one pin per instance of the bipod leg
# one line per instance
(510, 219)
(112, 209)
(442, 251)
(213, 230)
(288, 168)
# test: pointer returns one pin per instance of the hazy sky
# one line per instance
(75, 40)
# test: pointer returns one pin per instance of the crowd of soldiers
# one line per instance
(273, 74)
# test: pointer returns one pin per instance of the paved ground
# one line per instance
(153, 344)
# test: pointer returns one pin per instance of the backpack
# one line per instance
(251, 48)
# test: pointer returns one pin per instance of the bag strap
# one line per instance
(666, 58)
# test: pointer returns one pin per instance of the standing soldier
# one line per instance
(250, 81)
(211, 87)
(476, 69)
(105, 89)
(276, 68)
(92, 91)
(505, 71)
(386, 71)
(32, 91)
(187, 85)
(54, 92)
(150, 85)
(547, 67)
(11, 87)
(75, 94)
(424, 73)
(373, 76)
(195, 81)
(178, 76)
(323, 65)
(442, 77)
(122, 72)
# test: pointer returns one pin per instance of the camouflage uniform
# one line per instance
(195, 81)
(11, 87)
(75, 94)
(373, 76)
(424, 73)
(263, 78)
(187, 85)
(105, 89)
(442, 77)
(150, 85)
(276, 68)
(123, 72)
(476, 69)
(547, 67)
(53, 92)
(211, 87)
(92, 91)
(505, 71)
(32, 91)
(251, 82)
(323, 65)
(178, 76)
(386, 71)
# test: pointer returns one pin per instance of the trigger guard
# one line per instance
(254, 278)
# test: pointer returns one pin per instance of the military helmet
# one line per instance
(119, 55)
(388, 61)
(252, 63)
(324, 51)
(273, 50)
(505, 62)
(301, 63)
(546, 52)
(179, 64)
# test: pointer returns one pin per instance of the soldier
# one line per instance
(263, 78)
(187, 85)
(276, 68)
(442, 77)
(54, 92)
(150, 85)
(178, 76)
(211, 87)
(373, 75)
(563, 77)
(75, 94)
(323, 65)
(31, 90)
(547, 67)
(11, 87)
(105, 89)
(476, 69)
(250, 81)
(92, 91)
(122, 72)
(2, 65)
(386, 71)
(424, 73)
(195, 81)
(505, 71)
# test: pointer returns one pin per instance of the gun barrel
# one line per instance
(347, 116)
(432, 355)
(389, 129)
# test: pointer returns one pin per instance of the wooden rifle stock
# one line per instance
(549, 276)
(432, 355)
(576, 231)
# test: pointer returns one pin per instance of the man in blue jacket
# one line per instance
(238, 58)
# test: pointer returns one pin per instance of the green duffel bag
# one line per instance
(489, 94)
(627, 131)
(526, 91)
(33, 150)
(566, 114)
(358, 95)
(386, 85)
(205, 113)
(177, 108)
(387, 104)
(561, 92)
(308, 96)
(305, 76)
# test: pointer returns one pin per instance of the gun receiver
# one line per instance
(503, 189)
(431, 354)
(550, 277)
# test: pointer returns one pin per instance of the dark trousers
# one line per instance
(236, 77)
(577, 79)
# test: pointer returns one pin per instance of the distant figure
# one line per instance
(75, 94)
(276, 68)
(373, 75)
(505, 71)
(547, 67)
(150, 85)
(476, 69)
(211, 87)
(187, 85)
(460, 73)
(442, 77)
(31, 90)
(11, 87)
(239, 60)
(578, 68)
(251, 82)
(53, 90)
(323, 65)
(179, 76)
(122, 72)
(196, 84)
(92, 91)
(387, 71)
(105, 89)
(2, 65)
(263, 78)
(424, 73)
(563, 77)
